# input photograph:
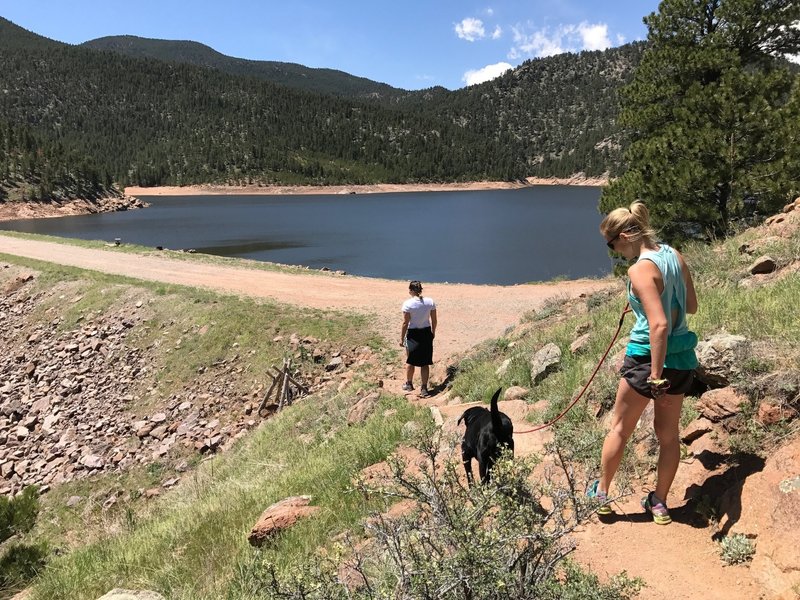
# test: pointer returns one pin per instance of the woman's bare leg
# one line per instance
(666, 424)
(628, 407)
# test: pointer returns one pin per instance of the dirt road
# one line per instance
(468, 314)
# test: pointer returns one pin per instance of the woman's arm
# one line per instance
(647, 283)
(433, 322)
(404, 328)
(691, 295)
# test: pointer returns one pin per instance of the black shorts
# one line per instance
(636, 371)
(419, 343)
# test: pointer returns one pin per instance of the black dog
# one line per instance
(488, 431)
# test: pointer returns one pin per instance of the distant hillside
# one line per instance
(326, 81)
(168, 121)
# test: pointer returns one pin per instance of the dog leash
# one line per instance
(625, 311)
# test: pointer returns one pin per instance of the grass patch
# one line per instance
(189, 329)
(193, 543)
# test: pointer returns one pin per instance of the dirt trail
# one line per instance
(468, 314)
(677, 562)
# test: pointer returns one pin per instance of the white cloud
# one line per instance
(548, 41)
(490, 11)
(620, 39)
(595, 37)
(470, 29)
(488, 72)
(497, 33)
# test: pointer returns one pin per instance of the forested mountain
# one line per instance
(34, 168)
(149, 122)
(326, 81)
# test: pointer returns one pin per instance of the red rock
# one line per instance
(280, 516)
(720, 404)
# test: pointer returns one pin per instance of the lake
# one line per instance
(486, 236)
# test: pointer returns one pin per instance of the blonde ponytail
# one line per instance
(634, 221)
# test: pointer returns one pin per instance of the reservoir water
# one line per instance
(487, 236)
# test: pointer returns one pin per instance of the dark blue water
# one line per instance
(493, 236)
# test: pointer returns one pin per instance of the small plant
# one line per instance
(707, 509)
(736, 549)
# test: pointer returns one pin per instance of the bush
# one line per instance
(488, 542)
(736, 549)
(19, 563)
(18, 515)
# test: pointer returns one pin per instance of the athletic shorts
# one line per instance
(636, 371)
(419, 343)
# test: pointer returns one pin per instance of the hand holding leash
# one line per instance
(658, 387)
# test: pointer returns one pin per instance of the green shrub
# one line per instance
(736, 549)
(19, 563)
(18, 514)
(493, 541)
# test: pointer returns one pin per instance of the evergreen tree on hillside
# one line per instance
(713, 114)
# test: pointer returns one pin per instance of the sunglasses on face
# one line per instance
(610, 243)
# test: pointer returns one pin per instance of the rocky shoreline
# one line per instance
(65, 208)
(379, 188)
(130, 200)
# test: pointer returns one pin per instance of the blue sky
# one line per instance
(411, 44)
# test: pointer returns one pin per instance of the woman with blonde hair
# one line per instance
(659, 359)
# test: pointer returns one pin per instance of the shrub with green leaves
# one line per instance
(19, 562)
(493, 541)
(737, 548)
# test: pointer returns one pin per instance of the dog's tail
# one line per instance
(497, 423)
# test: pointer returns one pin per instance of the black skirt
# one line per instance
(419, 343)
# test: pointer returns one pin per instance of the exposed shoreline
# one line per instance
(66, 208)
(44, 210)
(379, 188)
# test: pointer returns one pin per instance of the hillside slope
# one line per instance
(325, 81)
(159, 122)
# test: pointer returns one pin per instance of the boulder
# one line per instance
(716, 405)
(771, 411)
(363, 408)
(695, 430)
(544, 362)
(580, 344)
(719, 357)
(766, 506)
(515, 392)
(280, 516)
(503, 368)
(763, 264)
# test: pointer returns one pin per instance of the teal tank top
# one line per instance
(680, 341)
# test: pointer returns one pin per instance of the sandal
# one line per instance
(407, 387)
(424, 393)
(656, 508)
(601, 497)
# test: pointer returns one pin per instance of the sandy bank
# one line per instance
(381, 188)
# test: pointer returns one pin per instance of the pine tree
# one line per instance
(712, 114)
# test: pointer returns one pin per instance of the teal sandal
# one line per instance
(601, 497)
